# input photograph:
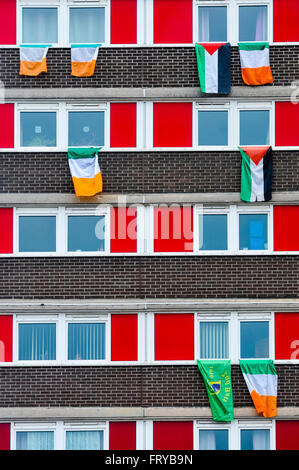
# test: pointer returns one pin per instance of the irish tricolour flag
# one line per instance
(33, 60)
(256, 174)
(261, 379)
(213, 62)
(255, 63)
(84, 59)
(85, 171)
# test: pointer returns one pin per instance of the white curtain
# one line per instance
(86, 341)
(207, 440)
(260, 439)
(40, 25)
(203, 24)
(35, 440)
(87, 25)
(84, 440)
(261, 25)
(213, 340)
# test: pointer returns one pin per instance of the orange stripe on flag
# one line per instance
(88, 186)
(265, 404)
(258, 76)
(83, 69)
(33, 68)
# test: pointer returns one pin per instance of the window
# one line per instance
(253, 23)
(37, 341)
(213, 128)
(212, 24)
(37, 233)
(213, 439)
(86, 128)
(39, 25)
(87, 25)
(35, 440)
(86, 233)
(254, 127)
(254, 337)
(255, 439)
(213, 340)
(253, 232)
(84, 440)
(86, 341)
(213, 232)
(38, 129)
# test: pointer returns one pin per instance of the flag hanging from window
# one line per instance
(256, 174)
(33, 60)
(261, 379)
(214, 69)
(217, 378)
(255, 63)
(84, 59)
(85, 171)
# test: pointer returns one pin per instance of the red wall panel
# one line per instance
(8, 21)
(122, 436)
(174, 337)
(286, 119)
(5, 338)
(286, 336)
(286, 228)
(124, 337)
(285, 20)
(173, 21)
(123, 230)
(123, 124)
(4, 436)
(173, 229)
(171, 435)
(6, 230)
(7, 126)
(172, 125)
(123, 21)
(287, 433)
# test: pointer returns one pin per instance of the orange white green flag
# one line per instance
(85, 170)
(261, 380)
(255, 63)
(33, 60)
(84, 59)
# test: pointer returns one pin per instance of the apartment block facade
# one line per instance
(107, 302)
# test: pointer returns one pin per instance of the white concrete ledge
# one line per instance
(42, 199)
(119, 413)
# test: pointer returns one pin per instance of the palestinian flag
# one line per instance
(84, 59)
(213, 62)
(85, 171)
(33, 60)
(255, 63)
(256, 174)
(261, 380)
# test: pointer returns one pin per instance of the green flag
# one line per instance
(217, 378)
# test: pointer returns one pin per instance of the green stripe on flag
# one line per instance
(246, 181)
(200, 55)
(258, 367)
(255, 46)
(76, 153)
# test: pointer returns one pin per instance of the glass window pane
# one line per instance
(253, 23)
(35, 440)
(84, 440)
(37, 233)
(37, 341)
(212, 128)
(213, 439)
(212, 24)
(86, 233)
(213, 340)
(38, 129)
(86, 128)
(254, 127)
(255, 439)
(39, 26)
(86, 341)
(253, 232)
(254, 339)
(87, 25)
(212, 232)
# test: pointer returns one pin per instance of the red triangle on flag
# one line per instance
(256, 153)
(212, 47)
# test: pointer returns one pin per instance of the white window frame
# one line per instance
(206, 210)
(244, 317)
(257, 106)
(210, 108)
(214, 3)
(37, 4)
(209, 318)
(85, 426)
(240, 425)
(208, 425)
(89, 4)
(29, 427)
(85, 108)
(263, 210)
